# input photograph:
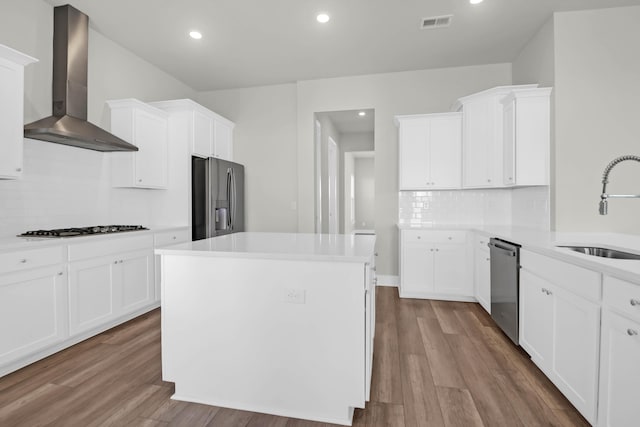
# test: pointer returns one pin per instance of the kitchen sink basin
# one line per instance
(602, 252)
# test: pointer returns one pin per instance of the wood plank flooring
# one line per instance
(435, 364)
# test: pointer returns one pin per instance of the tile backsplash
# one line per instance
(67, 187)
(521, 207)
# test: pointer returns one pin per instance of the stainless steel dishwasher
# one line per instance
(505, 285)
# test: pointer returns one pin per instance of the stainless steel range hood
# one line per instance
(68, 125)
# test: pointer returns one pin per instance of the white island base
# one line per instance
(250, 330)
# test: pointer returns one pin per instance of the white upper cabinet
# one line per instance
(223, 139)
(482, 135)
(12, 65)
(429, 151)
(145, 127)
(526, 133)
(208, 134)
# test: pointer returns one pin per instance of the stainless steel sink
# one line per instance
(602, 252)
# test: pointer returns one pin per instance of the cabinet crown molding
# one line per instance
(498, 90)
(398, 119)
(15, 56)
(182, 105)
(135, 103)
(527, 93)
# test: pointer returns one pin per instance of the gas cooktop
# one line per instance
(82, 231)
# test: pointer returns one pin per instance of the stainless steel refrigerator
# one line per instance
(217, 197)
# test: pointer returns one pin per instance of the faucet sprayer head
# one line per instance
(603, 206)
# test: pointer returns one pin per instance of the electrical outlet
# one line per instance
(294, 296)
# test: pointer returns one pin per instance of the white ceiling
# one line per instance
(350, 122)
(260, 42)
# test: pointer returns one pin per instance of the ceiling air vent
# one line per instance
(436, 22)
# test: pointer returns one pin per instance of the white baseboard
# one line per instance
(384, 280)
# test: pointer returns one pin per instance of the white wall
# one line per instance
(329, 130)
(365, 185)
(265, 143)
(350, 142)
(597, 75)
(426, 91)
(65, 186)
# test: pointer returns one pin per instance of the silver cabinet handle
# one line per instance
(60, 273)
(632, 333)
(634, 302)
(23, 261)
(174, 237)
(450, 238)
(115, 262)
(488, 259)
(18, 169)
(419, 237)
(431, 250)
(437, 250)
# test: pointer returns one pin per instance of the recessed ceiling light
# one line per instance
(195, 35)
(323, 18)
(475, 1)
(362, 113)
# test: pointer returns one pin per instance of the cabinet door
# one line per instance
(445, 142)
(11, 111)
(417, 268)
(32, 311)
(414, 154)
(483, 279)
(134, 278)
(450, 271)
(223, 141)
(536, 318)
(202, 144)
(91, 293)
(477, 143)
(151, 160)
(619, 371)
(509, 144)
(576, 336)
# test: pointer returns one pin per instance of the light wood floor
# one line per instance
(436, 364)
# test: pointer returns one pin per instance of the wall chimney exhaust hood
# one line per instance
(68, 125)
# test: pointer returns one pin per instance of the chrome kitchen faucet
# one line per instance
(605, 180)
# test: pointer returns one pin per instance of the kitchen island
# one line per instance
(279, 323)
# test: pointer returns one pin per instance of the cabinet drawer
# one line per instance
(622, 296)
(434, 236)
(109, 245)
(578, 280)
(481, 242)
(172, 237)
(27, 259)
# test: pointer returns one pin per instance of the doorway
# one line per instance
(344, 171)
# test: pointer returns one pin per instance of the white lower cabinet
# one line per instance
(433, 264)
(619, 371)
(33, 308)
(102, 289)
(167, 238)
(620, 354)
(561, 332)
(482, 272)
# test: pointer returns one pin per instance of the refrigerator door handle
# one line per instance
(232, 200)
(229, 198)
(209, 205)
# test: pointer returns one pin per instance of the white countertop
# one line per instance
(24, 243)
(298, 246)
(546, 242)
